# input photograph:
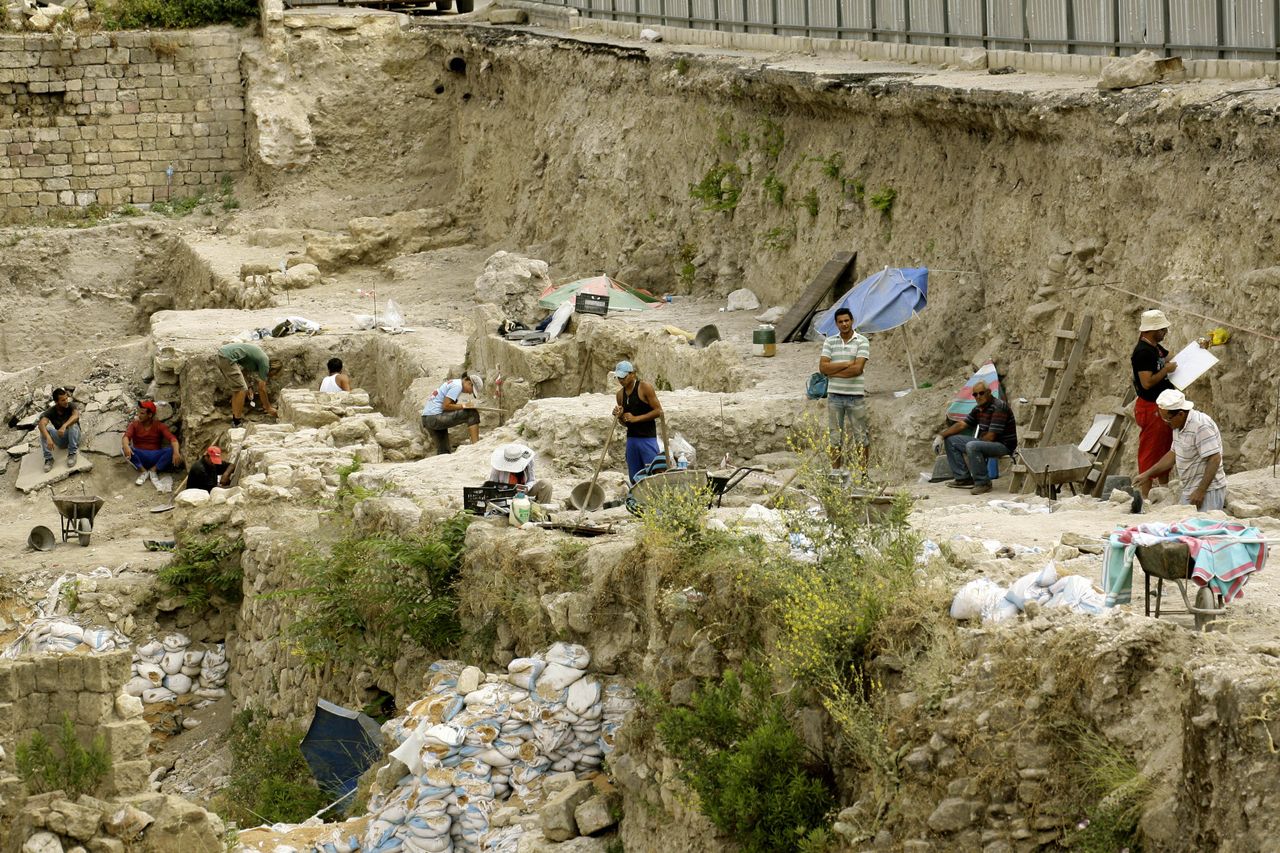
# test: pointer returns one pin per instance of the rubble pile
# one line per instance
(480, 752)
(43, 17)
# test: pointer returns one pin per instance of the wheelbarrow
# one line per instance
(1051, 468)
(78, 513)
(1171, 561)
(721, 483)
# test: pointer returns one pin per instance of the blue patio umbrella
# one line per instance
(880, 302)
(340, 745)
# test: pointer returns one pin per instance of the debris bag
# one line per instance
(391, 316)
(975, 597)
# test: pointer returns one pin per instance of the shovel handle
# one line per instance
(608, 442)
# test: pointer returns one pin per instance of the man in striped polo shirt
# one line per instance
(844, 357)
(1197, 453)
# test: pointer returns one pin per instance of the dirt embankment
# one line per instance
(1024, 196)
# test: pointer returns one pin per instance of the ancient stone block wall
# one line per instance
(37, 692)
(100, 119)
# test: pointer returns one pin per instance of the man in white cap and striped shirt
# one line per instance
(1196, 453)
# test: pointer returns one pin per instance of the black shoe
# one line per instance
(48, 465)
(960, 484)
(235, 423)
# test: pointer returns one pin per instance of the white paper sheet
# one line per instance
(1193, 362)
(1101, 423)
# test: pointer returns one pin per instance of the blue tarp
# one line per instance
(880, 302)
(340, 745)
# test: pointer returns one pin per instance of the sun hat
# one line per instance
(214, 454)
(511, 458)
(623, 369)
(148, 405)
(1153, 320)
(1174, 400)
(477, 384)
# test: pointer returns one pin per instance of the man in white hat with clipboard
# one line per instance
(512, 465)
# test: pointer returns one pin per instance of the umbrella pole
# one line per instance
(910, 362)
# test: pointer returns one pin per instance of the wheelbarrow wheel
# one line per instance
(84, 539)
(1205, 600)
(84, 529)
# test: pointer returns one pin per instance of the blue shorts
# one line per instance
(144, 460)
(640, 452)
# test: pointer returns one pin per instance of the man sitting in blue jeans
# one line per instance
(987, 432)
(59, 427)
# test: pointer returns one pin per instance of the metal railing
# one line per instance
(1196, 29)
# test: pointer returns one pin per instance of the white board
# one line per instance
(1101, 423)
(1193, 362)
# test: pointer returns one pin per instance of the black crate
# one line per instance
(473, 499)
(591, 303)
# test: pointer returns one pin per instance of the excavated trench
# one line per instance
(700, 174)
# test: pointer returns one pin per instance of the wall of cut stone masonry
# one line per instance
(37, 692)
(99, 119)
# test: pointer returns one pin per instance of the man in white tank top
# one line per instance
(336, 380)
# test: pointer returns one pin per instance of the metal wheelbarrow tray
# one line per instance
(78, 513)
(1050, 468)
(1171, 561)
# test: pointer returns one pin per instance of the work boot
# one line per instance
(71, 460)
(960, 484)
(980, 489)
(48, 465)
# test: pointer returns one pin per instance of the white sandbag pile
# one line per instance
(61, 634)
(171, 667)
(986, 600)
(467, 752)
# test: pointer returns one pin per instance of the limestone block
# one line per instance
(128, 707)
(191, 498)
(597, 813)
(106, 845)
(128, 822)
(1138, 70)
(128, 777)
(301, 276)
(70, 673)
(42, 842)
(93, 708)
(953, 814)
(742, 299)
(971, 59)
(508, 16)
(8, 682)
(78, 821)
(127, 740)
(557, 816)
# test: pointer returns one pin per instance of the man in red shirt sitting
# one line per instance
(149, 446)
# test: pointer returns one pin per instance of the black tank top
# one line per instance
(632, 404)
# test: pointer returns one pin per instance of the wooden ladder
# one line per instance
(1109, 446)
(1060, 372)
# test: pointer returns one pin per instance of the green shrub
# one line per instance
(811, 202)
(774, 189)
(269, 780)
(883, 201)
(720, 188)
(176, 14)
(1110, 791)
(741, 756)
(72, 769)
(205, 567)
(369, 596)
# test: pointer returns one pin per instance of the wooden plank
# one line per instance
(1042, 401)
(1066, 334)
(1054, 364)
(824, 283)
(1068, 376)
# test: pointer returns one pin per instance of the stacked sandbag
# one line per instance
(986, 600)
(166, 669)
(467, 752)
(61, 634)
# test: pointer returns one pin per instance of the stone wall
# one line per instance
(99, 119)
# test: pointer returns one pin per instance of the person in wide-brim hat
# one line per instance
(512, 465)
(1151, 369)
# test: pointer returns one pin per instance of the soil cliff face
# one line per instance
(701, 174)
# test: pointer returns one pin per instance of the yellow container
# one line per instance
(763, 342)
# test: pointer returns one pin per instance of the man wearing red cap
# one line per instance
(210, 471)
(149, 446)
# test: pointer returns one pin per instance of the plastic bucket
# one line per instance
(764, 342)
(587, 495)
(41, 538)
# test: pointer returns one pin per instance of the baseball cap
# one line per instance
(623, 369)
(148, 405)
(215, 455)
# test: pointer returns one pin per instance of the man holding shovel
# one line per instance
(638, 410)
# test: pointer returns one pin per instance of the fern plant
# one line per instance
(205, 567)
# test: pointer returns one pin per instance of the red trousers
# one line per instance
(1155, 438)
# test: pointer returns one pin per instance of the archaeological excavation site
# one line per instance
(518, 427)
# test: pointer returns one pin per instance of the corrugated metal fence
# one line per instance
(1196, 29)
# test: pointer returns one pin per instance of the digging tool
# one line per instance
(599, 467)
